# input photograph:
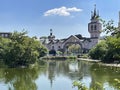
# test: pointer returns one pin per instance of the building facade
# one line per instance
(86, 43)
(5, 34)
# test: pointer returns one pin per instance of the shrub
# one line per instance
(99, 51)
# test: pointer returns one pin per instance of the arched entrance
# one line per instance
(74, 48)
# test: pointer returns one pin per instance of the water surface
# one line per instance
(58, 75)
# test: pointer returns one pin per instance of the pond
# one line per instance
(58, 75)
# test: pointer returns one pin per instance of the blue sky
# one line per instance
(65, 17)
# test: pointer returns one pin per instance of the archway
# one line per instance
(74, 48)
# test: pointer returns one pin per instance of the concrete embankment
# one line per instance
(100, 63)
(89, 60)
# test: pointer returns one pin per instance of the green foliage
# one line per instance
(71, 57)
(21, 78)
(81, 86)
(109, 27)
(109, 50)
(99, 51)
(117, 83)
(59, 57)
(83, 56)
(3, 44)
(21, 50)
(113, 50)
(75, 48)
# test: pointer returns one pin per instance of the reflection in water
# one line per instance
(105, 75)
(20, 78)
(72, 70)
(58, 75)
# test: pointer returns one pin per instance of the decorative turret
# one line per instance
(94, 26)
(95, 14)
(51, 37)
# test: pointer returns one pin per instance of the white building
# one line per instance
(94, 28)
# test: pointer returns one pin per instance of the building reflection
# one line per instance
(72, 70)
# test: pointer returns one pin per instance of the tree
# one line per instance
(21, 50)
(99, 51)
(43, 39)
(113, 50)
(75, 48)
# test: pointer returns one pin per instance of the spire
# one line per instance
(50, 32)
(98, 13)
(95, 10)
(95, 13)
(91, 14)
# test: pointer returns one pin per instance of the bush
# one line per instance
(21, 50)
(99, 51)
(113, 52)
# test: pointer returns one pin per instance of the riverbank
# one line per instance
(99, 62)
(58, 57)
(88, 60)
(80, 59)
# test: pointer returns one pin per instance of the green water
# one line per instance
(58, 75)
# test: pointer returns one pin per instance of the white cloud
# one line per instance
(62, 11)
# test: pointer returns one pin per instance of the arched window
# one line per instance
(95, 27)
(91, 27)
(59, 47)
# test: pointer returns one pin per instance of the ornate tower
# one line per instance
(94, 26)
(51, 37)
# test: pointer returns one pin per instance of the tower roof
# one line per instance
(95, 13)
(51, 37)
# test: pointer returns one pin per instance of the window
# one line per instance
(91, 27)
(2, 35)
(95, 27)
(6, 35)
(59, 47)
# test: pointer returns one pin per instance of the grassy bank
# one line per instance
(58, 57)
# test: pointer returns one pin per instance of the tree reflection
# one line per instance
(21, 78)
(103, 74)
(25, 78)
